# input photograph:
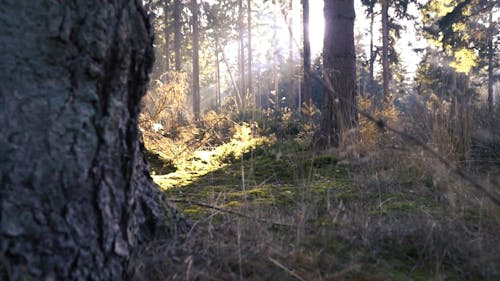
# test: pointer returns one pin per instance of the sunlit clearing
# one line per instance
(202, 162)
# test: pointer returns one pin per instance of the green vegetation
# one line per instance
(360, 167)
(277, 209)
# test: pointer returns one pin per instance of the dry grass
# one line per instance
(394, 213)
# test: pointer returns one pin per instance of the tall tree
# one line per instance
(196, 60)
(249, 52)
(291, 63)
(385, 49)
(306, 86)
(166, 19)
(275, 58)
(465, 32)
(390, 34)
(76, 196)
(241, 57)
(340, 114)
(177, 34)
(373, 53)
(491, 64)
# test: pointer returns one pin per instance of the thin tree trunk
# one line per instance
(291, 90)
(340, 115)
(166, 20)
(233, 82)
(217, 65)
(241, 56)
(491, 55)
(385, 50)
(196, 61)
(76, 199)
(372, 51)
(177, 34)
(275, 60)
(306, 91)
(249, 52)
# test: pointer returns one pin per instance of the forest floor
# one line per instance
(269, 209)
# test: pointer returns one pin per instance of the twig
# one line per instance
(289, 271)
(204, 205)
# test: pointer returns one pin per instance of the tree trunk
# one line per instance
(217, 66)
(491, 54)
(275, 60)
(373, 55)
(340, 115)
(241, 57)
(385, 50)
(291, 64)
(249, 52)
(306, 91)
(76, 196)
(196, 62)
(167, 35)
(177, 35)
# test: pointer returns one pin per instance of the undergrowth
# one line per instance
(273, 208)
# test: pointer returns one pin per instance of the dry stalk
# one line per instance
(382, 125)
(287, 270)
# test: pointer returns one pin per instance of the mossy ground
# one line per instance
(306, 215)
(315, 195)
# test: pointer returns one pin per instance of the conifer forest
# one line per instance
(250, 140)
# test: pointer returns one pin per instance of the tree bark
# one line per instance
(196, 61)
(340, 115)
(306, 91)
(76, 197)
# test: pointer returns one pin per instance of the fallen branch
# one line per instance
(208, 206)
(289, 271)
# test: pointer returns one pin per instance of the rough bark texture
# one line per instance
(339, 113)
(76, 198)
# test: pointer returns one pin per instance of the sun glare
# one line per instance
(316, 26)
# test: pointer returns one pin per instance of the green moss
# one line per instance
(159, 165)
(348, 196)
(194, 211)
(233, 204)
(325, 160)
